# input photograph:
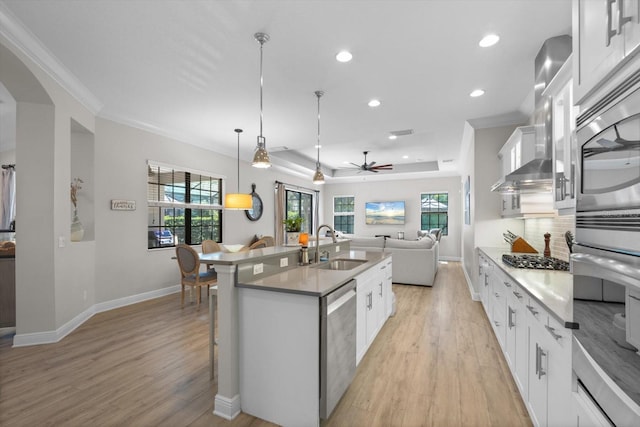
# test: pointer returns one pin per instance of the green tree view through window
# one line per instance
(434, 212)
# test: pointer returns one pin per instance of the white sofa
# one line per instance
(415, 262)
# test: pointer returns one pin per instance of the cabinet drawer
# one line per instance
(535, 311)
(559, 334)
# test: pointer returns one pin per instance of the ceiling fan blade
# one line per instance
(358, 166)
(371, 164)
(388, 165)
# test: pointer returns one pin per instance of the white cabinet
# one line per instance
(518, 332)
(373, 308)
(560, 94)
(550, 395)
(605, 33)
(536, 346)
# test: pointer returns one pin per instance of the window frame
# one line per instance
(189, 206)
(445, 229)
(352, 213)
(307, 228)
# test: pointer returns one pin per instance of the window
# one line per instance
(301, 204)
(434, 211)
(184, 206)
(343, 213)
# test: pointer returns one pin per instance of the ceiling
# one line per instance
(190, 70)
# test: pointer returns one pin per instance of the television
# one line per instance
(384, 213)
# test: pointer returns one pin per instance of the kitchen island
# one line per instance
(252, 269)
(285, 341)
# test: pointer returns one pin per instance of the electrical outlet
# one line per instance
(337, 248)
(284, 262)
(257, 268)
(61, 242)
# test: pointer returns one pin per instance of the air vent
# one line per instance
(402, 132)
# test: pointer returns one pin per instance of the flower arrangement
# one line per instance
(75, 186)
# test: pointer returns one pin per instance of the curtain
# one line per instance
(8, 198)
(280, 213)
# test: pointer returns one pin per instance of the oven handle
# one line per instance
(605, 268)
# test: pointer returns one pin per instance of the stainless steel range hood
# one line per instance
(527, 155)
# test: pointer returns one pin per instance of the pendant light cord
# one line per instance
(238, 131)
(318, 93)
(261, 82)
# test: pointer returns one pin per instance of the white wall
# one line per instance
(482, 165)
(409, 191)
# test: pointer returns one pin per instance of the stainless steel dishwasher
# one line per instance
(337, 345)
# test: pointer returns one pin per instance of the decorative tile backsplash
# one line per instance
(535, 228)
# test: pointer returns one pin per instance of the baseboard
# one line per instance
(227, 408)
(449, 258)
(49, 337)
(474, 295)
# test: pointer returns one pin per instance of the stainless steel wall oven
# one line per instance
(606, 257)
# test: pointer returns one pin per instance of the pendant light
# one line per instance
(261, 156)
(318, 177)
(238, 201)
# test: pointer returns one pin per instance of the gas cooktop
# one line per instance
(536, 262)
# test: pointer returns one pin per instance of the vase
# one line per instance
(77, 231)
(293, 238)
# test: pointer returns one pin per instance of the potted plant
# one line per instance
(292, 226)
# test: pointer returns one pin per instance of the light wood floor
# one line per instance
(436, 363)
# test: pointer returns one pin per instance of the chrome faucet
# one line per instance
(316, 257)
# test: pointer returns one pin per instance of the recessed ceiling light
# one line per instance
(318, 146)
(393, 136)
(344, 56)
(489, 40)
(374, 103)
(346, 162)
(476, 93)
(405, 157)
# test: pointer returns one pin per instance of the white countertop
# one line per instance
(552, 289)
(308, 280)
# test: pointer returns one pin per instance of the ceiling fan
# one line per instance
(371, 167)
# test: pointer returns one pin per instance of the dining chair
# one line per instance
(189, 263)
(209, 246)
(258, 244)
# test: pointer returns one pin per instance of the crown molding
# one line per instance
(22, 39)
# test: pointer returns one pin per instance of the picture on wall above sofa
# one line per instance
(384, 213)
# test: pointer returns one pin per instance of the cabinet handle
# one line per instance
(495, 322)
(552, 331)
(507, 284)
(381, 289)
(486, 280)
(504, 205)
(513, 201)
(541, 371)
(497, 295)
(537, 359)
(621, 18)
(511, 313)
(533, 310)
(517, 294)
(610, 32)
(383, 267)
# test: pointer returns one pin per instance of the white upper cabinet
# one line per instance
(605, 33)
(560, 94)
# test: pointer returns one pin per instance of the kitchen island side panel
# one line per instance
(280, 356)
